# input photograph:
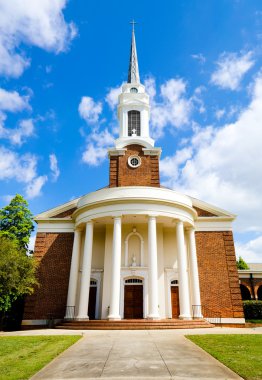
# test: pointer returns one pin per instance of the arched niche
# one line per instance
(134, 249)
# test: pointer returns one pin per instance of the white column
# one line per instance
(86, 272)
(71, 294)
(194, 273)
(152, 270)
(184, 302)
(116, 267)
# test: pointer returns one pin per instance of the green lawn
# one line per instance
(21, 357)
(241, 353)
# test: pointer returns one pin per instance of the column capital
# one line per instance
(77, 229)
(152, 217)
(115, 217)
(90, 222)
(190, 229)
(178, 221)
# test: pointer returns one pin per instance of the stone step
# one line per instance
(134, 324)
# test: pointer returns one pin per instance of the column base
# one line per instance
(185, 317)
(82, 318)
(199, 316)
(114, 317)
(66, 318)
(153, 316)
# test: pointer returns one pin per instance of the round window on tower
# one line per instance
(134, 161)
(134, 90)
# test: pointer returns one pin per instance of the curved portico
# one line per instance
(154, 212)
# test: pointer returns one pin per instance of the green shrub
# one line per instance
(253, 309)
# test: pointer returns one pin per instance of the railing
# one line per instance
(70, 312)
(50, 322)
(210, 315)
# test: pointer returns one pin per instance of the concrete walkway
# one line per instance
(155, 354)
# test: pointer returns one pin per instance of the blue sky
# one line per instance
(61, 66)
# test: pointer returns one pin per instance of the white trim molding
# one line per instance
(232, 321)
(54, 226)
(214, 224)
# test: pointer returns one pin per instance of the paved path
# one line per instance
(155, 354)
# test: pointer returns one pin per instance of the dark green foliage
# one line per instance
(17, 273)
(241, 264)
(253, 309)
(16, 221)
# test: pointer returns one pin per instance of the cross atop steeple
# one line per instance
(133, 72)
(133, 24)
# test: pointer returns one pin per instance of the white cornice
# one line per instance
(152, 152)
(55, 226)
(214, 224)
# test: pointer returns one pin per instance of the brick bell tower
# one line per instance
(134, 161)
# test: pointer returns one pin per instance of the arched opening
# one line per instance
(134, 249)
(174, 299)
(133, 298)
(92, 299)
(133, 123)
(259, 293)
(245, 293)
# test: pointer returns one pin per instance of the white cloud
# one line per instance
(23, 169)
(31, 244)
(112, 96)
(173, 109)
(11, 101)
(225, 165)
(54, 167)
(34, 188)
(7, 198)
(96, 149)
(18, 135)
(199, 57)
(231, 69)
(39, 23)
(89, 110)
(251, 252)
(220, 113)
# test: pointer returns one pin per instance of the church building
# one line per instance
(135, 249)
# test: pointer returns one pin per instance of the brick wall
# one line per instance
(121, 174)
(218, 276)
(53, 251)
(65, 214)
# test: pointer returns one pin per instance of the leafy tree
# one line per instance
(17, 273)
(241, 264)
(16, 221)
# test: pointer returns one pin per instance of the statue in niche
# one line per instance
(133, 261)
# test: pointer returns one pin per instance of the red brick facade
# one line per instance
(121, 174)
(218, 276)
(53, 251)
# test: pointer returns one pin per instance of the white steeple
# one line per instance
(133, 107)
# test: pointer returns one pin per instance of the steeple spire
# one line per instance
(133, 72)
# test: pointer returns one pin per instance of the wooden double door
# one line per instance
(133, 302)
(175, 301)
